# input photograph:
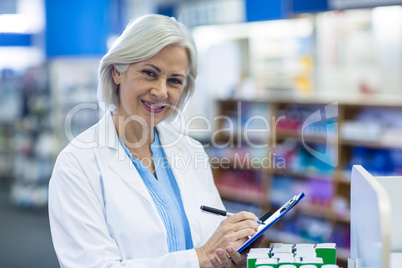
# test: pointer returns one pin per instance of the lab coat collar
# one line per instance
(107, 132)
(121, 164)
(173, 143)
(108, 135)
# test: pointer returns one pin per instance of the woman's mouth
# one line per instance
(153, 107)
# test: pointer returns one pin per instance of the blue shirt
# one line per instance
(166, 195)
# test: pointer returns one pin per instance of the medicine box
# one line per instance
(280, 255)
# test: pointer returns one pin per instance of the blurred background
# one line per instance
(258, 59)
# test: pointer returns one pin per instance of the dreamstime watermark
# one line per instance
(255, 132)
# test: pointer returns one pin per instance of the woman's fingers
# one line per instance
(243, 220)
(224, 258)
(215, 262)
(234, 233)
(249, 224)
(230, 235)
(229, 226)
(240, 237)
(227, 258)
(246, 231)
(242, 216)
(234, 255)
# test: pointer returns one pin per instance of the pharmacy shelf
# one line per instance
(375, 145)
(306, 174)
(296, 135)
(338, 176)
(343, 253)
(250, 197)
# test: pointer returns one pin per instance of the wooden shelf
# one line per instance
(236, 141)
(303, 175)
(342, 148)
(291, 134)
(296, 135)
(319, 211)
(316, 211)
(238, 194)
(342, 253)
(343, 219)
(374, 145)
(232, 166)
(344, 181)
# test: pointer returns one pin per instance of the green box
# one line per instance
(267, 263)
(282, 248)
(314, 261)
(279, 255)
(326, 251)
(296, 262)
(306, 252)
(251, 263)
(252, 256)
(286, 260)
(304, 245)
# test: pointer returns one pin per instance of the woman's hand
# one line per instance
(228, 258)
(233, 258)
(230, 235)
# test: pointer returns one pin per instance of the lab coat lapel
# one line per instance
(171, 145)
(121, 163)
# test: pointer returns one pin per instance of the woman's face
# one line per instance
(151, 89)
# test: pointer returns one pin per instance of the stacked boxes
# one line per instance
(326, 251)
(257, 254)
(280, 255)
(266, 263)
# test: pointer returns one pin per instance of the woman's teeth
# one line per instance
(152, 106)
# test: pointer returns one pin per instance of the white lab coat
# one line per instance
(101, 214)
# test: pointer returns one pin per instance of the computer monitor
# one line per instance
(370, 220)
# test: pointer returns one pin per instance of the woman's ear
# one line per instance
(116, 76)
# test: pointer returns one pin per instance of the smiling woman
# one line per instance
(129, 201)
(152, 88)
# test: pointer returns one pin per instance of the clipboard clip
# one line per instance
(289, 204)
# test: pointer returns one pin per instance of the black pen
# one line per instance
(221, 212)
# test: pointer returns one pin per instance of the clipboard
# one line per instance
(272, 220)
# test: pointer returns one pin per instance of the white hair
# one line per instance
(142, 39)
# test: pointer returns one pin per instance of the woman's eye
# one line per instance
(150, 73)
(176, 81)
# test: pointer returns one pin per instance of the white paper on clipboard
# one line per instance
(272, 220)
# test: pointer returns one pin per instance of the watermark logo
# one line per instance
(254, 134)
(329, 120)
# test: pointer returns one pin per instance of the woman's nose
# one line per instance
(160, 91)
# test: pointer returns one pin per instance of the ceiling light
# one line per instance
(13, 23)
